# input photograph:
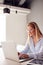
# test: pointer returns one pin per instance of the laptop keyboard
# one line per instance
(37, 61)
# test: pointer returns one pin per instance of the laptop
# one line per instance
(10, 51)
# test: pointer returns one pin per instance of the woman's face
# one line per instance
(31, 31)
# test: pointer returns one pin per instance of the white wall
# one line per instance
(37, 13)
(16, 28)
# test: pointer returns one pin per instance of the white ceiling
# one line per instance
(13, 9)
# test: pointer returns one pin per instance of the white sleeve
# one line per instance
(26, 49)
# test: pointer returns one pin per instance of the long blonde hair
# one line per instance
(35, 26)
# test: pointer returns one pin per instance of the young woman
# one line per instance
(34, 44)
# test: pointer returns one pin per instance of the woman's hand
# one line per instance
(23, 56)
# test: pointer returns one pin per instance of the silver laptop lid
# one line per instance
(10, 52)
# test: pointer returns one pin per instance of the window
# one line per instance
(2, 28)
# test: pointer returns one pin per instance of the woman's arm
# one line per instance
(26, 48)
(23, 54)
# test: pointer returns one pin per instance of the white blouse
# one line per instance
(34, 51)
